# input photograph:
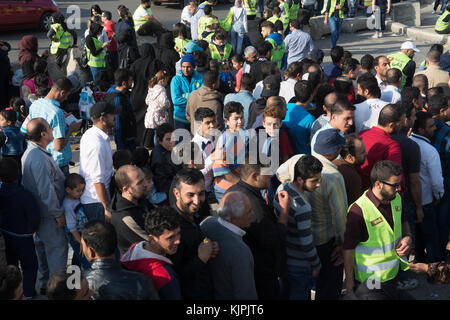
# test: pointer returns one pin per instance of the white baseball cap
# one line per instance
(409, 45)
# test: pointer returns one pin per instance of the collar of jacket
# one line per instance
(105, 264)
(35, 145)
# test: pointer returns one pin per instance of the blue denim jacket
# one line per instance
(14, 144)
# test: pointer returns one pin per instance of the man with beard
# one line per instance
(381, 66)
(403, 61)
(353, 154)
(195, 250)
(377, 237)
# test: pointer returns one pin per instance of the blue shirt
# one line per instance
(50, 110)
(332, 70)
(245, 98)
(14, 144)
(299, 121)
(298, 45)
(441, 141)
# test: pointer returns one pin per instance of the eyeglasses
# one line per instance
(394, 185)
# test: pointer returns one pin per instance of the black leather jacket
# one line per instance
(110, 282)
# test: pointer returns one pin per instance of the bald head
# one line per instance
(38, 130)
(394, 77)
(122, 176)
(330, 100)
(233, 205)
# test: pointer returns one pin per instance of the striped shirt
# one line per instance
(329, 204)
(300, 248)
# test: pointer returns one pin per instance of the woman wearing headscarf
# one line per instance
(143, 69)
(239, 26)
(166, 53)
(28, 54)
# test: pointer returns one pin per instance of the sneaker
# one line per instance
(407, 284)
(433, 12)
(380, 34)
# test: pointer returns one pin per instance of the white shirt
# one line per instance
(381, 83)
(103, 37)
(430, 170)
(186, 15)
(233, 228)
(287, 89)
(95, 162)
(141, 12)
(391, 94)
(367, 113)
(206, 152)
(258, 90)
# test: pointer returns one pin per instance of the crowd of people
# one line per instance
(184, 204)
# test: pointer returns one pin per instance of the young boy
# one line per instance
(119, 158)
(219, 49)
(161, 162)
(211, 26)
(205, 121)
(14, 145)
(230, 149)
(150, 257)
(75, 217)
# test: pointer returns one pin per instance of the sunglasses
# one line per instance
(394, 185)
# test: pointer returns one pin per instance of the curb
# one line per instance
(417, 33)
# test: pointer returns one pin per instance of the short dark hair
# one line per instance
(408, 94)
(336, 54)
(368, 82)
(340, 106)
(220, 34)
(406, 106)
(122, 75)
(268, 68)
(247, 168)
(263, 48)
(210, 78)
(432, 92)
(9, 170)
(349, 146)
(207, 9)
(393, 76)
(57, 288)
(294, 69)
(107, 14)
(349, 65)
(10, 279)
(303, 91)
(390, 113)
(160, 219)
(367, 62)
(9, 115)
(434, 56)
(238, 58)
(438, 47)
(120, 158)
(100, 236)
(323, 90)
(232, 107)
(420, 81)
(202, 113)
(36, 133)
(248, 82)
(278, 26)
(140, 157)
(95, 29)
(73, 180)
(268, 24)
(421, 120)
(188, 176)
(342, 85)
(295, 23)
(62, 83)
(383, 170)
(306, 167)
(376, 61)
(276, 10)
(162, 130)
(436, 103)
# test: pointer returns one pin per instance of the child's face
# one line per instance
(237, 65)
(226, 68)
(235, 122)
(208, 124)
(3, 122)
(148, 184)
(271, 124)
(220, 42)
(166, 142)
(76, 192)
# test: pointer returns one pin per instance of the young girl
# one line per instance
(158, 105)
(29, 86)
(238, 65)
(180, 37)
(21, 109)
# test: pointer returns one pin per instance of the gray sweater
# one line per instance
(44, 179)
(232, 269)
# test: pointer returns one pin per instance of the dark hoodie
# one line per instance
(18, 212)
(128, 219)
(166, 53)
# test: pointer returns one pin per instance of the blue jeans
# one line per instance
(78, 258)
(261, 7)
(300, 282)
(94, 211)
(430, 229)
(443, 6)
(236, 41)
(335, 26)
(94, 71)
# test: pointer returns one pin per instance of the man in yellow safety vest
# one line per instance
(61, 40)
(145, 23)
(403, 61)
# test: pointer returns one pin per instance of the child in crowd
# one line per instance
(238, 65)
(119, 158)
(14, 145)
(21, 109)
(204, 137)
(75, 217)
(230, 149)
(155, 197)
(226, 76)
(180, 37)
(158, 106)
(211, 26)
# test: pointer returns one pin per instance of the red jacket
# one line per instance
(109, 29)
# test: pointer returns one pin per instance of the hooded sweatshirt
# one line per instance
(158, 268)
(204, 98)
(128, 220)
(180, 90)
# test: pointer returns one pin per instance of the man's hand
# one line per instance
(205, 250)
(338, 255)
(108, 216)
(349, 284)
(105, 44)
(215, 250)
(418, 267)
(61, 220)
(404, 246)
(284, 200)
(419, 213)
(325, 21)
(388, 10)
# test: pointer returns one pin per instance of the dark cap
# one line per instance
(271, 86)
(102, 108)
(328, 142)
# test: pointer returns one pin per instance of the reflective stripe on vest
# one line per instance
(250, 7)
(215, 54)
(333, 8)
(441, 25)
(275, 19)
(138, 22)
(399, 60)
(99, 60)
(277, 52)
(293, 11)
(64, 39)
(376, 258)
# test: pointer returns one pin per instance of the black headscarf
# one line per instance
(166, 52)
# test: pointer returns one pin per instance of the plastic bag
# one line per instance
(86, 102)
